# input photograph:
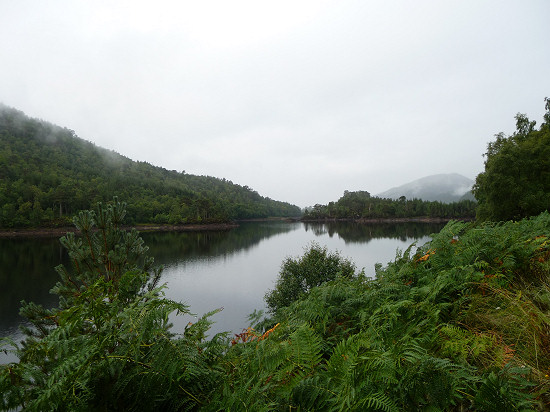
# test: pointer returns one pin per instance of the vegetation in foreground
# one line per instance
(460, 323)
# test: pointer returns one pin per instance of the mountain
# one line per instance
(47, 174)
(445, 188)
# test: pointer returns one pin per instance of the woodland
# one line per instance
(460, 323)
(360, 205)
(47, 174)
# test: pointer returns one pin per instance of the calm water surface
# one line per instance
(208, 270)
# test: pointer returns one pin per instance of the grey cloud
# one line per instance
(300, 101)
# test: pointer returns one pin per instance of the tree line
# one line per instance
(47, 174)
(516, 179)
(515, 184)
(361, 205)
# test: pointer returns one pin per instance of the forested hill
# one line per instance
(446, 188)
(47, 174)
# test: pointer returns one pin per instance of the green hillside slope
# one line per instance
(47, 174)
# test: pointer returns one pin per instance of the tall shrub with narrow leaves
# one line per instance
(108, 346)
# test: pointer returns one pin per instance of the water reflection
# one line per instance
(169, 248)
(352, 232)
(27, 265)
(207, 270)
(27, 273)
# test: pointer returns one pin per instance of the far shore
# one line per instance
(60, 231)
(391, 220)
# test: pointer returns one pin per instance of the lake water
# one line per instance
(208, 270)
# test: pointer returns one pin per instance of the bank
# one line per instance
(60, 231)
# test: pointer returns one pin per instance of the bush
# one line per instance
(298, 276)
(109, 346)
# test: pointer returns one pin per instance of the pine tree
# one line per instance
(109, 345)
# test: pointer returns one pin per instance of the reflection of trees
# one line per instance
(352, 232)
(27, 265)
(27, 272)
(168, 247)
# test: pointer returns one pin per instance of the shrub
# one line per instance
(109, 346)
(298, 276)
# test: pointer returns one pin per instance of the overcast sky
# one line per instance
(299, 100)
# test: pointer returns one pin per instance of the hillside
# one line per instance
(445, 188)
(47, 174)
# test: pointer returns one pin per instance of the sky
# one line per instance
(299, 100)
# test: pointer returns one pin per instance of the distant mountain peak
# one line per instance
(449, 187)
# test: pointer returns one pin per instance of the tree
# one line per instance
(516, 180)
(108, 346)
(40, 161)
(298, 276)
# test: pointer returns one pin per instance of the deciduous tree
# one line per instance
(298, 276)
(516, 180)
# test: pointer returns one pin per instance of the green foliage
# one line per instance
(516, 180)
(461, 323)
(48, 174)
(505, 390)
(361, 205)
(108, 345)
(298, 276)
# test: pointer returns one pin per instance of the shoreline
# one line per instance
(210, 227)
(390, 220)
(61, 231)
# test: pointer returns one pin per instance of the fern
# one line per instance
(505, 390)
(446, 327)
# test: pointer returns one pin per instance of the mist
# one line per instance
(298, 101)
